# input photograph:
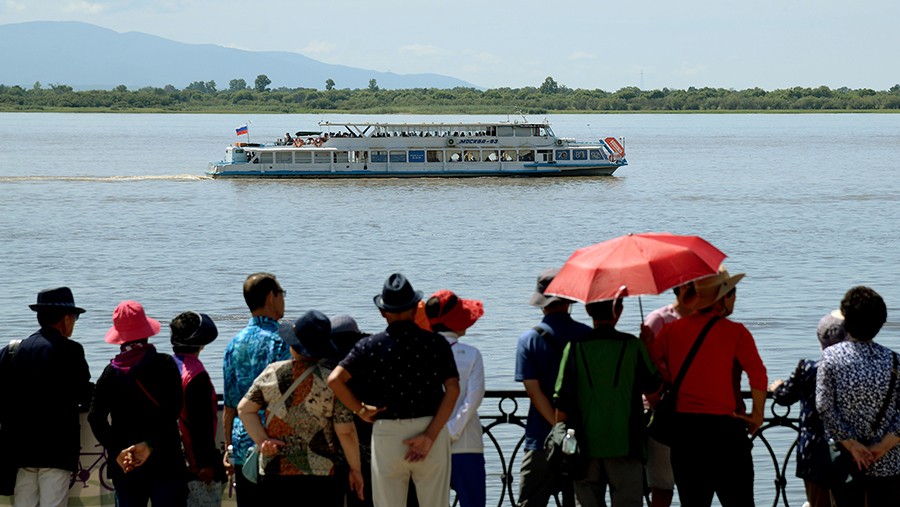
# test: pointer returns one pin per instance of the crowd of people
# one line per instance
(318, 410)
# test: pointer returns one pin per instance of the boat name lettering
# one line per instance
(477, 141)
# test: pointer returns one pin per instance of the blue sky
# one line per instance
(500, 43)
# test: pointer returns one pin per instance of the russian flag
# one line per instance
(242, 130)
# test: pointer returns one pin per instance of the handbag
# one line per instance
(572, 466)
(201, 494)
(834, 463)
(251, 469)
(662, 426)
(8, 467)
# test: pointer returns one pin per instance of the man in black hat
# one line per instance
(48, 378)
(409, 381)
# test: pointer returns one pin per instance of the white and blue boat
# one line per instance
(425, 150)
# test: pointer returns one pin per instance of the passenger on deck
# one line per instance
(288, 140)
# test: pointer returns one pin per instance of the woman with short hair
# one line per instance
(857, 404)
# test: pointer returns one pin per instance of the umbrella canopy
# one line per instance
(648, 263)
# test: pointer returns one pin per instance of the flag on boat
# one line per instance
(242, 130)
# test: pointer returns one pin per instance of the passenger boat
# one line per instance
(426, 150)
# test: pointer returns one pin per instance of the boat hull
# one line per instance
(226, 172)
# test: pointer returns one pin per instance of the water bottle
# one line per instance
(229, 452)
(569, 444)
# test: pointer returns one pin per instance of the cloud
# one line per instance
(696, 69)
(487, 58)
(83, 7)
(579, 55)
(12, 6)
(420, 50)
(319, 47)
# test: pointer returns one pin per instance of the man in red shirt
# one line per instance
(711, 411)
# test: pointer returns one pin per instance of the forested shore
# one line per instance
(547, 98)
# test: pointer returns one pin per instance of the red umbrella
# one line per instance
(648, 263)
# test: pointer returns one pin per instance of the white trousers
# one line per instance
(391, 472)
(42, 487)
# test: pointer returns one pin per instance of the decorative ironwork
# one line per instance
(510, 415)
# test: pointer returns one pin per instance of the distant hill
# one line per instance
(89, 57)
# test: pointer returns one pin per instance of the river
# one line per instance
(116, 206)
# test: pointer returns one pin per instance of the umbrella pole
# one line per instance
(641, 305)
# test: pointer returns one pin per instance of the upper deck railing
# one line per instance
(501, 409)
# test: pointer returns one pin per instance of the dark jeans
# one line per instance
(246, 493)
(537, 483)
(139, 490)
(712, 456)
(318, 490)
(878, 491)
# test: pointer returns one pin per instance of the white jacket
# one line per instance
(464, 425)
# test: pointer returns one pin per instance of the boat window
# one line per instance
(508, 155)
(524, 132)
(283, 157)
(595, 155)
(491, 156)
(322, 158)
(341, 157)
(526, 156)
(303, 158)
(545, 131)
(435, 156)
(545, 156)
(265, 158)
(379, 156)
(398, 157)
(562, 154)
(504, 131)
(417, 155)
(579, 154)
(472, 156)
(454, 155)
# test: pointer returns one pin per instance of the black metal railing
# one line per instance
(502, 408)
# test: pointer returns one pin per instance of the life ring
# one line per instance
(451, 141)
(559, 142)
(298, 142)
(318, 142)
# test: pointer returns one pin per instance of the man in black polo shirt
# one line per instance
(410, 387)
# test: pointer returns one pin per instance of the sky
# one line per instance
(650, 44)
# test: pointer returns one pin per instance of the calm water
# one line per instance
(116, 207)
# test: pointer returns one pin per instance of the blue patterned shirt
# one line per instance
(246, 356)
(851, 385)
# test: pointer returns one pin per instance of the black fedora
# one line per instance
(309, 336)
(203, 333)
(56, 299)
(397, 295)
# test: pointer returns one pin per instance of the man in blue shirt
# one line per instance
(246, 356)
(538, 356)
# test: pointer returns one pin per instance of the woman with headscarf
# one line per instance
(134, 413)
(191, 332)
(304, 421)
(859, 403)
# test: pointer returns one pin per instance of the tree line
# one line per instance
(550, 96)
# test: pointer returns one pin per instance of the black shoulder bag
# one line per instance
(662, 421)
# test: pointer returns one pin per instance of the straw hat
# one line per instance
(706, 291)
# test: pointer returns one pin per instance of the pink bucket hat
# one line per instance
(130, 324)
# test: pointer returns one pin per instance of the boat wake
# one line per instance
(113, 179)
